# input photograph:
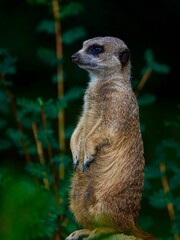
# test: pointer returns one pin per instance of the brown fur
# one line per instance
(107, 144)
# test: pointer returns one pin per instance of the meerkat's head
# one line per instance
(102, 53)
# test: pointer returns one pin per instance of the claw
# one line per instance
(87, 162)
(84, 166)
(75, 164)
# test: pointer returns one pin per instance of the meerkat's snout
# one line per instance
(75, 57)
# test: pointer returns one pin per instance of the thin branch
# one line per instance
(167, 190)
(59, 53)
(49, 148)
(60, 86)
(143, 81)
(50, 155)
(15, 114)
(40, 153)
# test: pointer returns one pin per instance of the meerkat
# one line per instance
(107, 146)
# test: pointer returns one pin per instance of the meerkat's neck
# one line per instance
(114, 76)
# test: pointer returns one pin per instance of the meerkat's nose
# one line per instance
(75, 57)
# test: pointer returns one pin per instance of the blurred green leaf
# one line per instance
(68, 131)
(174, 182)
(47, 26)
(47, 137)
(5, 144)
(146, 99)
(7, 62)
(4, 103)
(152, 172)
(65, 159)
(37, 1)
(158, 199)
(40, 171)
(3, 123)
(16, 138)
(5, 82)
(176, 225)
(73, 35)
(171, 143)
(71, 9)
(28, 104)
(152, 64)
(146, 222)
(176, 202)
(48, 56)
(33, 208)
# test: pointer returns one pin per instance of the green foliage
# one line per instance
(37, 209)
(35, 212)
(4, 100)
(37, 1)
(29, 212)
(48, 56)
(7, 62)
(159, 199)
(167, 155)
(73, 35)
(146, 99)
(71, 9)
(152, 64)
(46, 26)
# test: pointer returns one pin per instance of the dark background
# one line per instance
(140, 24)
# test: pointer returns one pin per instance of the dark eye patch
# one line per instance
(95, 49)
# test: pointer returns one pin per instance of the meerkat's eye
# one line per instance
(95, 49)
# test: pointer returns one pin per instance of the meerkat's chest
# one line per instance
(92, 102)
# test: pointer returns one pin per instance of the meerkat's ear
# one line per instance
(124, 56)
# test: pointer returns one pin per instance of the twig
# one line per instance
(15, 114)
(49, 148)
(59, 53)
(40, 152)
(60, 86)
(167, 190)
(50, 154)
(143, 81)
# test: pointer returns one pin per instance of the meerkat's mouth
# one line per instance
(83, 63)
(87, 66)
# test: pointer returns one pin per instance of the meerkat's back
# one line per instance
(106, 145)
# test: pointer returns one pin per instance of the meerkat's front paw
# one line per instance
(75, 149)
